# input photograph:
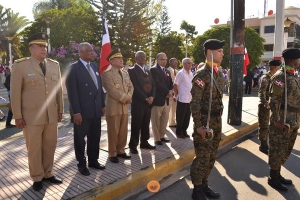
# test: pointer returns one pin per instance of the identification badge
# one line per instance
(31, 74)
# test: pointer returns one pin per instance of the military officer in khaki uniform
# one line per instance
(119, 90)
(173, 103)
(37, 104)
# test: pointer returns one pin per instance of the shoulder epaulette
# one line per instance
(109, 68)
(53, 60)
(125, 71)
(21, 59)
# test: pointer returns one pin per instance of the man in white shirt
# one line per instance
(182, 89)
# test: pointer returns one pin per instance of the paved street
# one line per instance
(241, 173)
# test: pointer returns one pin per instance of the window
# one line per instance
(269, 29)
(269, 47)
(257, 30)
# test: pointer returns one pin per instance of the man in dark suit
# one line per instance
(86, 97)
(142, 99)
(161, 107)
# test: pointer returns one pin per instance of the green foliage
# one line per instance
(253, 41)
(164, 22)
(170, 44)
(73, 24)
(189, 29)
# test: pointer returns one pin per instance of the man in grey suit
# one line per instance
(87, 100)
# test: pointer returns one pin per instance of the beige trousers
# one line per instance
(159, 121)
(41, 142)
(117, 130)
(172, 115)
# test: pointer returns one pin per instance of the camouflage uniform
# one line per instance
(282, 143)
(263, 113)
(206, 150)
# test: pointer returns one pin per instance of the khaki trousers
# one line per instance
(41, 142)
(159, 121)
(117, 130)
(172, 115)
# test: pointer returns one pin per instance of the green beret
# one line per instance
(213, 44)
(291, 53)
(274, 63)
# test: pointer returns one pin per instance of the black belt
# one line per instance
(212, 113)
(291, 109)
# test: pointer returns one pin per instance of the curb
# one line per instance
(137, 182)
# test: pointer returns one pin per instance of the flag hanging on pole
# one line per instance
(106, 47)
(246, 61)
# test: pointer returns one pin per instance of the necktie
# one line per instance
(42, 66)
(166, 76)
(92, 74)
(120, 74)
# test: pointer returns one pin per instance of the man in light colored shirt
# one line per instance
(182, 89)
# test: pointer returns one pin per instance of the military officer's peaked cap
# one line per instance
(213, 44)
(38, 38)
(114, 54)
(292, 53)
(274, 63)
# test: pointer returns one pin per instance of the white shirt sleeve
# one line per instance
(178, 78)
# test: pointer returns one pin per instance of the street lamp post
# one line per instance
(150, 53)
(10, 52)
(186, 45)
(48, 21)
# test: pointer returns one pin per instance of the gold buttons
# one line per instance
(46, 92)
(46, 85)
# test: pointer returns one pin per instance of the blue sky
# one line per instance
(200, 13)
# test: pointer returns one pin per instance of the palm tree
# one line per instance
(11, 24)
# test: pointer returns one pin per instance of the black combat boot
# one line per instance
(198, 193)
(208, 191)
(274, 181)
(283, 180)
(264, 147)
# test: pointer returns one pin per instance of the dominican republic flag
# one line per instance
(106, 47)
(246, 61)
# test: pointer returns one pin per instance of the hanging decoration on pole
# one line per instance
(270, 12)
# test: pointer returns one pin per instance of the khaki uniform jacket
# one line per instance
(34, 97)
(173, 73)
(119, 90)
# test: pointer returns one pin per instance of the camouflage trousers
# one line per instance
(206, 151)
(263, 122)
(281, 146)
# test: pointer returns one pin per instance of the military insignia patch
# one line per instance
(264, 80)
(279, 83)
(200, 82)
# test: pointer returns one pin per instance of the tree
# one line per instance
(164, 22)
(190, 30)
(129, 23)
(11, 24)
(44, 5)
(73, 24)
(253, 41)
(170, 44)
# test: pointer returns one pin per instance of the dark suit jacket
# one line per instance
(83, 94)
(163, 85)
(143, 83)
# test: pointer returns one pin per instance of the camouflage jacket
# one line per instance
(201, 92)
(277, 98)
(264, 84)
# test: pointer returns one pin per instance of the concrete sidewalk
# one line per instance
(118, 181)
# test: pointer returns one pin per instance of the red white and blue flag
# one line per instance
(246, 61)
(200, 82)
(279, 83)
(106, 47)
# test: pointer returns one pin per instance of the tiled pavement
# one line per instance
(15, 182)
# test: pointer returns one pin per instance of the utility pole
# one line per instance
(237, 65)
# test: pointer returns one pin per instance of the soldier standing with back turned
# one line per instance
(282, 138)
(206, 150)
(263, 106)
